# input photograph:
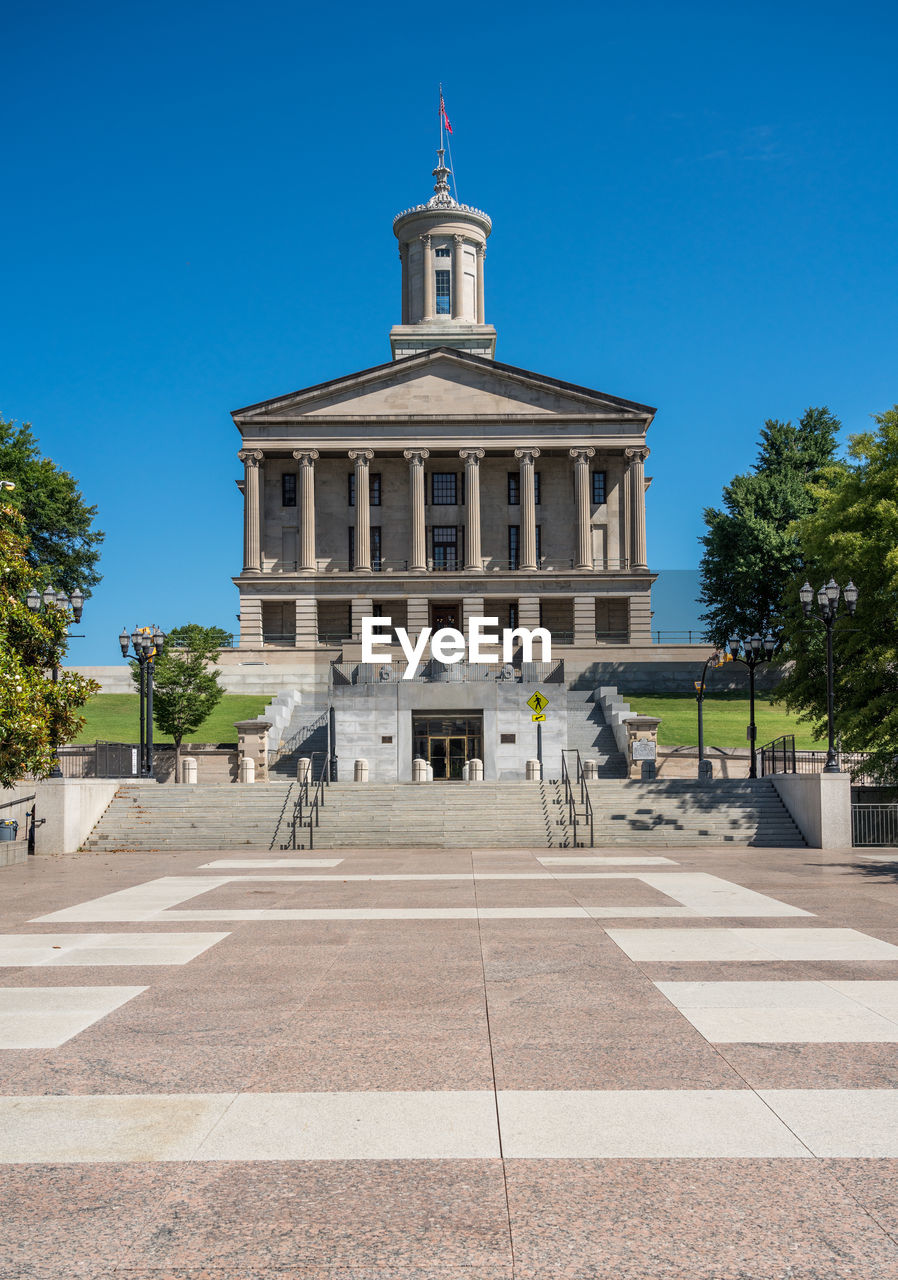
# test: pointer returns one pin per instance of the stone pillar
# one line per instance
(585, 621)
(418, 549)
(361, 458)
(306, 459)
(584, 506)
(252, 510)
(472, 607)
(403, 258)
(637, 505)
(306, 621)
(427, 254)
(527, 458)
(458, 277)
(473, 557)
(626, 519)
(360, 607)
(528, 611)
(252, 744)
(250, 623)
(481, 310)
(417, 615)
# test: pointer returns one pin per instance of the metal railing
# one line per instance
(680, 637)
(778, 756)
(874, 825)
(100, 760)
(434, 672)
(569, 784)
(456, 564)
(30, 821)
(309, 802)
(295, 741)
(781, 756)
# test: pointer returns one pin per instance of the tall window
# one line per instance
(539, 543)
(513, 615)
(514, 546)
(514, 488)
(445, 547)
(351, 549)
(443, 293)
(536, 487)
(373, 488)
(376, 561)
(598, 488)
(444, 489)
(288, 489)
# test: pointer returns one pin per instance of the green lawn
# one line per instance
(115, 717)
(725, 716)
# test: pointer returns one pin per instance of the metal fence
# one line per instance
(874, 825)
(781, 756)
(434, 672)
(100, 760)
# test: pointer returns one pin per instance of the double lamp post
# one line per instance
(146, 644)
(828, 605)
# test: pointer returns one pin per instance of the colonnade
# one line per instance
(634, 508)
(457, 305)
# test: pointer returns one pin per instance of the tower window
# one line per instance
(598, 488)
(442, 252)
(443, 293)
(288, 489)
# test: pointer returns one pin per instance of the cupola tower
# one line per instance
(442, 245)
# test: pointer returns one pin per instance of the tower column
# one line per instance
(418, 549)
(637, 506)
(481, 254)
(427, 248)
(306, 459)
(403, 258)
(458, 277)
(252, 510)
(527, 458)
(361, 458)
(473, 557)
(581, 487)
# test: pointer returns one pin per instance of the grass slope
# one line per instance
(725, 717)
(115, 717)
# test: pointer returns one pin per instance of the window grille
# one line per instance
(288, 489)
(445, 546)
(442, 252)
(444, 489)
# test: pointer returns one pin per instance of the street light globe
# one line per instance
(851, 593)
(49, 596)
(832, 592)
(734, 642)
(124, 640)
(33, 600)
(806, 596)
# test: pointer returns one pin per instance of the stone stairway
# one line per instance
(305, 736)
(442, 815)
(154, 818)
(680, 811)
(593, 738)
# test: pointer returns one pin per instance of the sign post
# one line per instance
(537, 703)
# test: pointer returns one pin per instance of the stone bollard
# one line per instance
(648, 771)
(534, 771)
(428, 773)
(188, 769)
(590, 770)
(303, 769)
(705, 770)
(465, 772)
(475, 770)
(419, 770)
(247, 770)
(360, 773)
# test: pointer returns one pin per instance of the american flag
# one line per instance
(443, 114)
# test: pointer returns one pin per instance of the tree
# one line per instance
(185, 690)
(751, 552)
(63, 545)
(852, 534)
(37, 711)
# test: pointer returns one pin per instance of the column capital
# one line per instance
(361, 455)
(480, 249)
(581, 455)
(415, 455)
(472, 456)
(527, 455)
(458, 239)
(305, 456)
(638, 454)
(425, 239)
(251, 457)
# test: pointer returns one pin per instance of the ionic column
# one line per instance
(418, 549)
(481, 254)
(584, 506)
(636, 473)
(306, 459)
(458, 277)
(427, 247)
(528, 508)
(361, 458)
(473, 557)
(252, 510)
(403, 258)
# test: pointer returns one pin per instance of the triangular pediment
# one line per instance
(442, 384)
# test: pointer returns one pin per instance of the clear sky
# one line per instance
(693, 206)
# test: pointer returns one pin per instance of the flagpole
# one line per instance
(440, 114)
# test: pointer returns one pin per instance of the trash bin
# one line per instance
(8, 829)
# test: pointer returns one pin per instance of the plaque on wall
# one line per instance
(643, 749)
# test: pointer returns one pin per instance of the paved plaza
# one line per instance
(450, 1065)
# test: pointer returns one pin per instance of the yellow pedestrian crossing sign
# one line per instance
(538, 702)
(538, 718)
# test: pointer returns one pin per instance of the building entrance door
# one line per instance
(444, 615)
(447, 743)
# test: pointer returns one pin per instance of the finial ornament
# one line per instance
(442, 196)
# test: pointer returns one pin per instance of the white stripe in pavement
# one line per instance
(46, 1017)
(707, 895)
(387, 913)
(786, 1012)
(225, 863)
(605, 860)
(661, 945)
(534, 1124)
(49, 950)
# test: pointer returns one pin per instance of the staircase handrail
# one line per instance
(313, 801)
(579, 780)
(297, 739)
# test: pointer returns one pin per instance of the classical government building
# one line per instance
(440, 486)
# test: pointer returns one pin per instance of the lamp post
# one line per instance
(713, 661)
(828, 604)
(755, 650)
(53, 600)
(146, 643)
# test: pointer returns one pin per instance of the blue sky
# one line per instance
(693, 206)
